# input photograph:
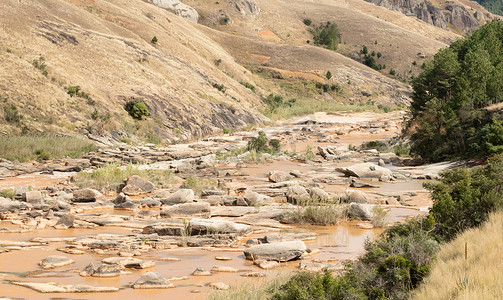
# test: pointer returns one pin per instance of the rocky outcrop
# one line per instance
(247, 7)
(452, 14)
(178, 8)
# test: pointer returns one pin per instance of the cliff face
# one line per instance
(451, 15)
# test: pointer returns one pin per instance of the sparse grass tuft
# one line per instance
(8, 193)
(379, 217)
(26, 148)
(198, 184)
(111, 176)
(315, 212)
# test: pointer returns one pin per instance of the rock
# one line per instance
(178, 8)
(106, 270)
(129, 262)
(381, 163)
(181, 196)
(121, 198)
(281, 251)
(223, 258)
(32, 197)
(87, 195)
(201, 272)
(265, 264)
(87, 271)
(356, 183)
(152, 280)
(65, 221)
(254, 274)
(215, 200)
(62, 288)
(136, 185)
(279, 176)
(7, 205)
(197, 209)
(392, 201)
(357, 197)
(319, 194)
(163, 230)
(55, 261)
(360, 211)
(217, 225)
(223, 269)
(365, 170)
(219, 285)
(297, 194)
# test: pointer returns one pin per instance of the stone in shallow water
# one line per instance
(281, 251)
(107, 271)
(201, 272)
(52, 287)
(152, 280)
(55, 261)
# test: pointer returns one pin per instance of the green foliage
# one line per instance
(95, 114)
(224, 21)
(494, 6)
(379, 54)
(74, 90)
(307, 22)
(392, 72)
(154, 40)
(365, 50)
(219, 87)
(464, 198)
(261, 144)
(198, 185)
(275, 102)
(11, 114)
(8, 193)
(40, 64)
(451, 94)
(136, 108)
(326, 35)
(328, 75)
(248, 85)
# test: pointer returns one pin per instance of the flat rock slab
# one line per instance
(52, 287)
(152, 280)
(217, 225)
(231, 211)
(281, 251)
(55, 261)
(365, 170)
(188, 210)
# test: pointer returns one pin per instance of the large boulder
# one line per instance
(217, 225)
(106, 270)
(366, 170)
(7, 205)
(279, 176)
(297, 194)
(55, 261)
(32, 197)
(178, 8)
(319, 194)
(87, 195)
(135, 185)
(281, 251)
(254, 199)
(152, 280)
(163, 230)
(65, 221)
(191, 210)
(360, 211)
(357, 197)
(181, 196)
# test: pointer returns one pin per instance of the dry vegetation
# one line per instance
(478, 277)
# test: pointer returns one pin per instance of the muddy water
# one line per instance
(35, 181)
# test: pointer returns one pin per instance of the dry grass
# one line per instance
(479, 277)
(248, 290)
(111, 177)
(26, 148)
(315, 212)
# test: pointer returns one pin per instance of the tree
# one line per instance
(154, 40)
(328, 75)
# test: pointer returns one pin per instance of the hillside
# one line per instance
(494, 6)
(193, 79)
(477, 277)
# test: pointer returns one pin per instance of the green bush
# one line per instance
(136, 108)
(219, 87)
(224, 21)
(326, 35)
(307, 22)
(248, 85)
(328, 75)
(11, 114)
(261, 144)
(40, 64)
(154, 40)
(464, 198)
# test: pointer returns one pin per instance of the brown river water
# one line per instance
(336, 243)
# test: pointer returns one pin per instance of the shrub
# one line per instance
(40, 64)
(326, 36)
(8, 193)
(307, 22)
(392, 72)
(365, 50)
(219, 87)
(198, 184)
(95, 114)
(136, 108)
(261, 144)
(224, 21)
(154, 40)
(328, 75)
(248, 85)
(11, 114)
(379, 54)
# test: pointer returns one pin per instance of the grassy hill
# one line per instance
(477, 277)
(71, 65)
